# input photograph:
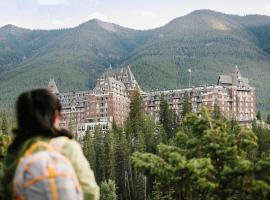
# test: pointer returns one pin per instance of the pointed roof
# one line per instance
(52, 87)
(130, 73)
(236, 69)
(132, 78)
(123, 74)
(235, 79)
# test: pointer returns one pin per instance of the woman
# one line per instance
(38, 113)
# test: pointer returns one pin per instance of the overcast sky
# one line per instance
(138, 14)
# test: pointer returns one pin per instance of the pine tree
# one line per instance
(121, 164)
(186, 105)
(268, 119)
(208, 162)
(216, 114)
(5, 141)
(156, 193)
(258, 116)
(89, 149)
(166, 116)
(109, 156)
(108, 190)
(140, 143)
(135, 122)
(100, 155)
(4, 125)
(151, 137)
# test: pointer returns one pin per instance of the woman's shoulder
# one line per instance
(66, 146)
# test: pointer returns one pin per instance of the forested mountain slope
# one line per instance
(208, 42)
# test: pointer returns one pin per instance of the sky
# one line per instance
(137, 14)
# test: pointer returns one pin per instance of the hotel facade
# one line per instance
(109, 101)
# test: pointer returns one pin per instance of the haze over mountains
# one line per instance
(208, 42)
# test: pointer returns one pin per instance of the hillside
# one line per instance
(208, 42)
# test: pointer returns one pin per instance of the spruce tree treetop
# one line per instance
(4, 125)
(166, 117)
(136, 115)
(186, 105)
(268, 119)
(258, 116)
(108, 190)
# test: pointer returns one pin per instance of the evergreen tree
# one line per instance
(5, 141)
(258, 116)
(100, 155)
(268, 119)
(151, 136)
(166, 117)
(139, 132)
(135, 122)
(4, 125)
(109, 156)
(89, 149)
(186, 105)
(254, 125)
(121, 164)
(263, 141)
(108, 190)
(208, 162)
(156, 193)
(140, 143)
(161, 191)
(216, 114)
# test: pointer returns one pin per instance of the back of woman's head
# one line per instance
(36, 111)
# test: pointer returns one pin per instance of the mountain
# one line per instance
(208, 42)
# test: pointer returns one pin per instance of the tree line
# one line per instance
(197, 156)
(193, 156)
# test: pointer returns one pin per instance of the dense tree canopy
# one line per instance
(210, 159)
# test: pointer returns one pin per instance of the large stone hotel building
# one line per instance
(109, 100)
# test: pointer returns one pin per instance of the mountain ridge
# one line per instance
(209, 42)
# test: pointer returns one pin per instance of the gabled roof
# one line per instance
(235, 79)
(225, 79)
(123, 74)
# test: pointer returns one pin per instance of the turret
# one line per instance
(52, 87)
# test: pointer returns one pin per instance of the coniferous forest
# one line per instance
(200, 156)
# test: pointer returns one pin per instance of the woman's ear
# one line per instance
(56, 119)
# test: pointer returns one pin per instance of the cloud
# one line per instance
(57, 23)
(94, 2)
(268, 7)
(51, 2)
(149, 14)
(98, 15)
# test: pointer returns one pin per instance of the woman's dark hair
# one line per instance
(35, 111)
